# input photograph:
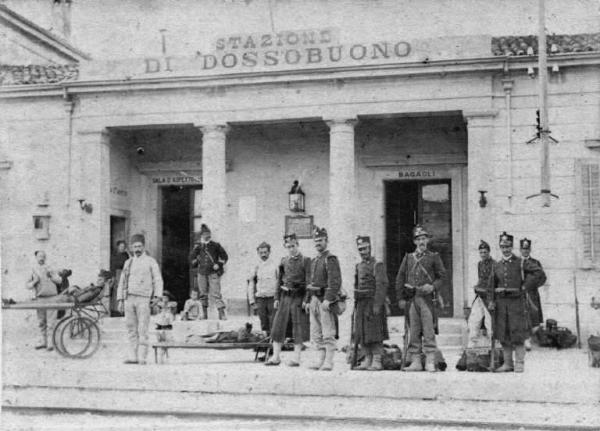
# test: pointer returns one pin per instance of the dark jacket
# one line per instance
(484, 272)
(294, 275)
(205, 256)
(418, 271)
(325, 273)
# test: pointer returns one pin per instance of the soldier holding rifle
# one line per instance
(420, 276)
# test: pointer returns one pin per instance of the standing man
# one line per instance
(480, 316)
(43, 284)
(535, 313)
(262, 285)
(324, 292)
(511, 322)
(140, 282)
(290, 301)
(117, 261)
(420, 277)
(210, 258)
(370, 320)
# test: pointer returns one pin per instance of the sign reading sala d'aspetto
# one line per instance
(286, 51)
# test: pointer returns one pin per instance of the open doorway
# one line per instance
(408, 203)
(179, 219)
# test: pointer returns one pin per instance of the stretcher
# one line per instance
(76, 335)
(262, 346)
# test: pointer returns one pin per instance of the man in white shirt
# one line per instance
(140, 282)
(42, 282)
(262, 285)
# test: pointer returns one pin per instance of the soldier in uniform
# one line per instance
(535, 313)
(324, 292)
(420, 276)
(480, 316)
(210, 258)
(290, 301)
(370, 320)
(510, 281)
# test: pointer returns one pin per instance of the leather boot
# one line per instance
(222, 315)
(366, 363)
(519, 358)
(376, 365)
(328, 364)
(416, 364)
(204, 312)
(319, 362)
(507, 366)
(430, 363)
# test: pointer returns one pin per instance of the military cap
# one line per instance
(419, 231)
(264, 244)
(105, 274)
(525, 243)
(484, 245)
(204, 229)
(319, 232)
(138, 237)
(362, 241)
(289, 237)
(506, 239)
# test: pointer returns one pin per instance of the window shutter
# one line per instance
(588, 215)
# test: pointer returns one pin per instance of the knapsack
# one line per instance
(478, 360)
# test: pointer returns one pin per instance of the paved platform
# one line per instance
(556, 384)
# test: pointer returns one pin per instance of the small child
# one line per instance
(164, 321)
(191, 309)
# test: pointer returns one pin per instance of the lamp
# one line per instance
(482, 198)
(296, 198)
(85, 206)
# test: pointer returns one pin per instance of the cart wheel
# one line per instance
(56, 335)
(79, 338)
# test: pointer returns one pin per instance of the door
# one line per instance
(409, 203)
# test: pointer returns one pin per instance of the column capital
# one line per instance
(208, 129)
(99, 135)
(336, 124)
(479, 118)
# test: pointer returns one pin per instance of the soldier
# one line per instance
(535, 313)
(210, 258)
(420, 276)
(370, 320)
(324, 292)
(290, 301)
(511, 322)
(480, 316)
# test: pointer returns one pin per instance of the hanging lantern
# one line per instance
(296, 198)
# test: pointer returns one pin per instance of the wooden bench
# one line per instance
(213, 346)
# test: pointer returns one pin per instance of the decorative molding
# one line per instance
(414, 160)
(6, 165)
(592, 144)
(479, 114)
(188, 166)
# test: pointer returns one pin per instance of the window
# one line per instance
(588, 214)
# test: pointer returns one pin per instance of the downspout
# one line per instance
(69, 105)
(507, 85)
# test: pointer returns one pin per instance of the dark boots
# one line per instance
(222, 315)
(204, 312)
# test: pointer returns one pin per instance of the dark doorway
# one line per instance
(176, 234)
(418, 202)
(118, 232)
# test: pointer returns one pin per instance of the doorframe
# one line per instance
(457, 174)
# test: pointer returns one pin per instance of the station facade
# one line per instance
(383, 128)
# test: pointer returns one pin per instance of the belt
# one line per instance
(317, 290)
(164, 326)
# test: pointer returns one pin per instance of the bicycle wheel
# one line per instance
(79, 338)
(56, 334)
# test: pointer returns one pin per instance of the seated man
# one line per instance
(86, 294)
(242, 335)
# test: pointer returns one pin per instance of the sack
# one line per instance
(391, 357)
(558, 337)
(594, 351)
(478, 360)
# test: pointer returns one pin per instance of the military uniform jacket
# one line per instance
(517, 275)
(533, 271)
(484, 272)
(370, 289)
(206, 255)
(325, 273)
(294, 275)
(370, 282)
(417, 270)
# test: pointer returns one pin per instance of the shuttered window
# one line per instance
(588, 215)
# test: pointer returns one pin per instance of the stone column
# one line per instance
(342, 198)
(91, 172)
(480, 176)
(214, 181)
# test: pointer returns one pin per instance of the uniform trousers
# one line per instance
(421, 325)
(210, 285)
(137, 319)
(322, 326)
(479, 315)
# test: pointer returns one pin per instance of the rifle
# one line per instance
(493, 334)
(435, 299)
(576, 310)
(353, 343)
(406, 329)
